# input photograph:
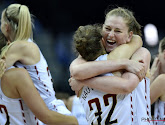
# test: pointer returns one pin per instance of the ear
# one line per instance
(7, 27)
(130, 36)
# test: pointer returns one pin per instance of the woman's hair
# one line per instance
(162, 44)
(128, 16)
(87, 41)
(19, 18)
(3, 41)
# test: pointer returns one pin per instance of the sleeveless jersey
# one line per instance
(159, 113)
(103, 109)
(15, 112)
(143, 102)
(42, 80)
(78, 111)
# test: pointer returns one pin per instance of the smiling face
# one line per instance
(115, 32)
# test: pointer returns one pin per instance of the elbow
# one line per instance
(76, 74)
(127, 88)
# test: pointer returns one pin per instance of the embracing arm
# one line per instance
(144, 56)
(98, 67)
(112, 84)
(126, 50)
(115, 85)
(26, 89)
(157, 88)
(80, 69)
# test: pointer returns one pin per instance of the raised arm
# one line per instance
(24, 88)
(80, 69)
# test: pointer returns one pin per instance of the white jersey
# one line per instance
(42, 80)
(143, 102)
(78, 111)
(159, 113)
(103, 109)
(15, 112)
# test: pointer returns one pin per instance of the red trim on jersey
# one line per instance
(36, 71)
(23, 115)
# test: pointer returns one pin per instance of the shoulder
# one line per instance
(23, 46)
(161, 78)
(143, 52)
(143, 49)
(15, 72)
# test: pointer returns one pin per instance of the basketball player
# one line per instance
(16, 25)
(115, 29)
(19, 99)
(157, 87)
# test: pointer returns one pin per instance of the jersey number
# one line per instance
(106, 103)
(7, 116)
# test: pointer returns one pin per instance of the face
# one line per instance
(115, 32)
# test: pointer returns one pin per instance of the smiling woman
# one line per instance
(118, 28)
(101, 102)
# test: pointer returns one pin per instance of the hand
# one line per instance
(2, 67)
(155, 68)
(75, 85)
(137, 68)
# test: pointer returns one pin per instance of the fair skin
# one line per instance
(115, 32)
(29, 54)
(16, 83)
(157, 88)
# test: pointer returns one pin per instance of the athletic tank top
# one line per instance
(159, 113)
(41, 78)
(15, 112)
(78, 111)
(103, 109)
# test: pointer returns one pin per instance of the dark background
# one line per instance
(56, 21)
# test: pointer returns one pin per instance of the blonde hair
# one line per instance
(128, 16)
(19, 18)
(5, 49)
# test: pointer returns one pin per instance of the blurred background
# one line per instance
(56, 20)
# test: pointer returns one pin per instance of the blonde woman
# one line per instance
(16, 25)
(98, 97)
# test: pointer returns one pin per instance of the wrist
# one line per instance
(125, 64)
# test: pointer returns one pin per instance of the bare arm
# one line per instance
(157, 88)
(126, 50)
(70, 102)
(155, 69)
(116, 85)
(78, 65)
(23, 51)
(83, 70)
(110, 84)
(25, 89)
